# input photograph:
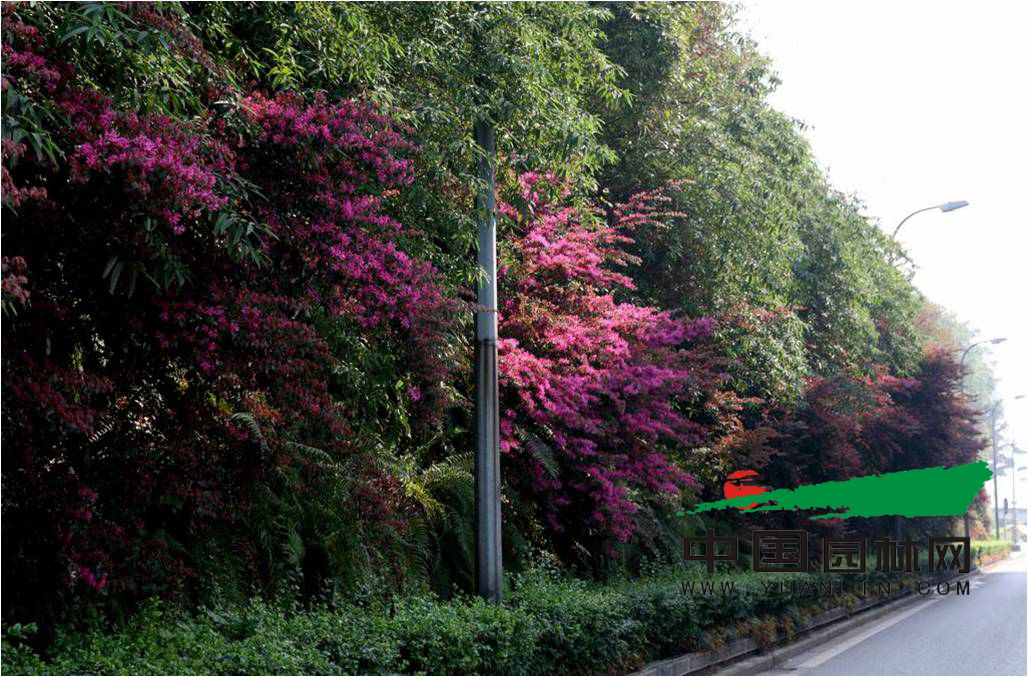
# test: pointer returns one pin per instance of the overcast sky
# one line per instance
(913, 104)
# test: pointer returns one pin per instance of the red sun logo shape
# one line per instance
(741, 483)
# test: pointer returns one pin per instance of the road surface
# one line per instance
(982, 633)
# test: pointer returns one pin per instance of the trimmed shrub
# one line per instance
(550, 624)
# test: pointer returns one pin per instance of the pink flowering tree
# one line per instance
(594, 391)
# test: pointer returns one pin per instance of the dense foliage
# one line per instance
(160, 394)
(549, 625)
(237, 262)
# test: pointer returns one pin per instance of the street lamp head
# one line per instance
(951, 206)
(945, 207)
(997, 341)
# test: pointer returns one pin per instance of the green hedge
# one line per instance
(548, 624)
(989, 551)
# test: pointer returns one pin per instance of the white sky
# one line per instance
(912, 104)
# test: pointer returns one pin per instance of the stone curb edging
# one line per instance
(761, 663)
(840, 618)
(739, 665)
(764, 662)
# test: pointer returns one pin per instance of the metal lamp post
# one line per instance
(1013, 494)
(995, 469)
(897, 520)
(944, 207)
(1000, 466)
(1014, 452)
(963, 356)
(488, 546)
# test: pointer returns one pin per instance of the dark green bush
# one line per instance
(549, 624)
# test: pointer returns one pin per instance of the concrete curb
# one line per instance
(812, 636)
(738, 657)
(769, 661)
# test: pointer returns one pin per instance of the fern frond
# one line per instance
(456, 469)
(540, 450)
(312, 453)
(419, 492)
(249, 421)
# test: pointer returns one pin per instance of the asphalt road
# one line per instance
(983, 633)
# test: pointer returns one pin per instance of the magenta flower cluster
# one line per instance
(332, 167)
(599, 381)
(168, 166)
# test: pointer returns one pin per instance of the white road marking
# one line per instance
(832, 652)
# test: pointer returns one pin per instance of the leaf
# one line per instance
(111, 262)
(115, 275)
(73, 32)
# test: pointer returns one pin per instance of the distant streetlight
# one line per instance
(944, 207)
(1014, 451)
(963, 356)
(995, 468)
(1012, 460)
(993, 341)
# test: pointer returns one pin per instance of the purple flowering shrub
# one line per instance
(593, 390)
(170, 286)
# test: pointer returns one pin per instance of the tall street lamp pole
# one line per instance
(1015, 451)
(944, 207)
(897, 520)
(1013, 493)
(995, 468)
(963, 356)
(488, 546)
